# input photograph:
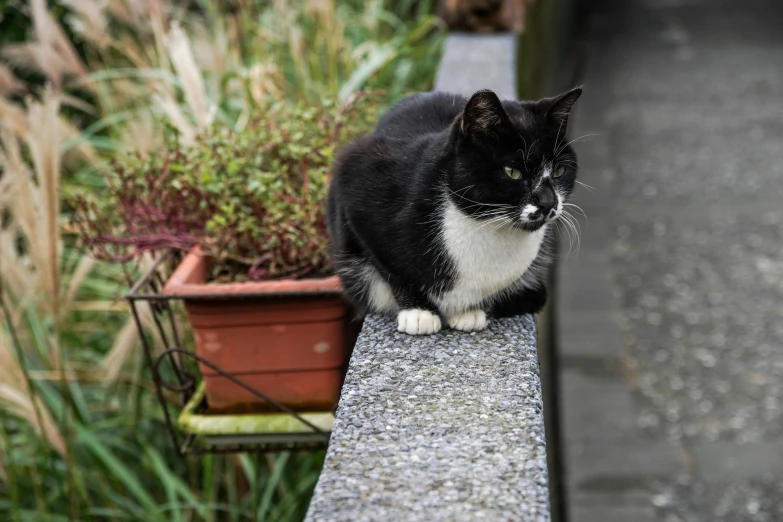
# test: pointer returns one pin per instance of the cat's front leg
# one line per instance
(417, 316)
(418, 321)
(470, 321)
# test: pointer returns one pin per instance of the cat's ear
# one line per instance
(483, 115)
(559, 107)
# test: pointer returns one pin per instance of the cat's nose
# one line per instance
(547, 209)
(546, 200)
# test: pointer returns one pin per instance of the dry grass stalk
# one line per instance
(44, 139)
(88, 19)
(50, 52)
(192, 83)
(166, 102)
(125, 343)
(30, 157)
(77, 278)
(9, 84)
(127, 339)
(30, 194)
(16, 200)
(13, 117)
(16, 399)
(140, 134)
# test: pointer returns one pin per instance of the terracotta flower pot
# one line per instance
(287, 339)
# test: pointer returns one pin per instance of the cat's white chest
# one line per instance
(487, 259)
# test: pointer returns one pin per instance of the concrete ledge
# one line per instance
(447, 427)
(473, 62)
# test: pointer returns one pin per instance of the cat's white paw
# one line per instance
(418, 322)
(470, 321)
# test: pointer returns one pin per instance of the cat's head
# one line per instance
(511, 160)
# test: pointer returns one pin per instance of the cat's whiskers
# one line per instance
(476, 203)
(496, 215)
(577, 208)
(524, 150)
(435, 219)
(569, 163)
(562, 147)
(455, 192)
(495, 206)
(508, 221)
(564, 231)
(529, 150)
(489, 214)
(585, 185)
(574, 224)
(569, 227)
(499, 223)
(558, 137)
(479, 204)
(502, 219)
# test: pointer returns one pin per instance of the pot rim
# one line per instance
(185, 282)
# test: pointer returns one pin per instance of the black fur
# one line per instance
(387, 195)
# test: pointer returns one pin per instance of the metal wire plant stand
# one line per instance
(174, 370)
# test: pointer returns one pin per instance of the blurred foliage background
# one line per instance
(81, 433)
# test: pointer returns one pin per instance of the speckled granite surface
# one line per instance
(446, 427)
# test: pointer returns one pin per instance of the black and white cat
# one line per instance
(446, 209)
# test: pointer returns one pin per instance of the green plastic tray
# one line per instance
(226, 429)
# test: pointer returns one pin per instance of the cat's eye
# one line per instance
(560, 171)
(513, 173)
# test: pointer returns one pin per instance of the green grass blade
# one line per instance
(378, 57)
(120, 471)
(287, 510)
(124, 74)
(174, 483)
(271, 485)
(166, 480)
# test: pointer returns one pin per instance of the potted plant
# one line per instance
(248, 207)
